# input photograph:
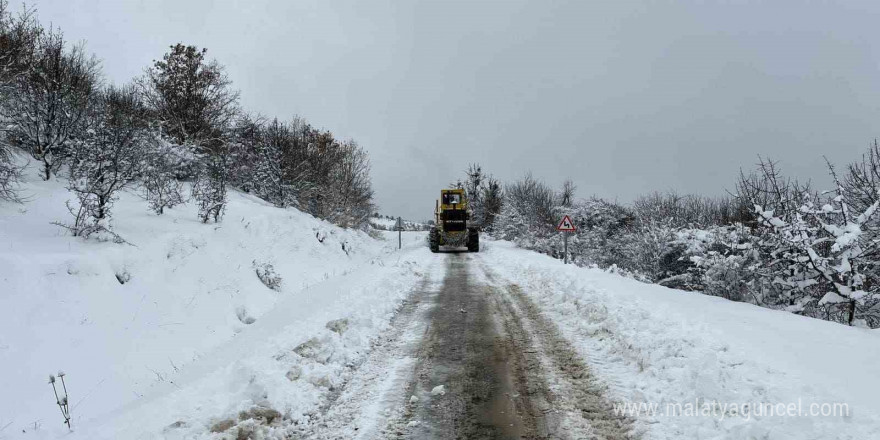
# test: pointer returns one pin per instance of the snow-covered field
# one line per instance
(654, 345)
(177, 326)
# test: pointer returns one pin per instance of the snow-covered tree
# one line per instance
(473, 187)
(493, 201)
(47, 101)
(484, 194)
(862, 178)
(163, 162)
(18, 42)
(191, 96)
(195, 105)
(272, 173)
(528, 212)
(826, 254)
(247, 135)
(210, 188)
(107, 156)
(293, 164)
(350, 193)
(10, 175)
(566, 195)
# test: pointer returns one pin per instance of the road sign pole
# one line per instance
(565, 251)
(565, 227)
(399, 233)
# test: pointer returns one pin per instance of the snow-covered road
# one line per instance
(511, 344)
(470, 357)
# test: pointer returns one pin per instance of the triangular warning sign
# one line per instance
(566, 225)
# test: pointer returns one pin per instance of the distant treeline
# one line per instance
(390, 221)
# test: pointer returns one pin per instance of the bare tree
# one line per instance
(45, 106)
(17, 43)
(19, 35)
(107, 156)
(862, 178)
(493, 202)
(566, 196)
(351, 190)
(528, 208)
(10, 174)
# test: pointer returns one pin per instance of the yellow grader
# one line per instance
(452, 227)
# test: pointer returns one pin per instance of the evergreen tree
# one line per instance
(191, 96)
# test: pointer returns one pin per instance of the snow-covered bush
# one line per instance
(828, 256)
(106, 158)
(10, 175)
(815, 257)
(163, 162)
(209, 190)
(267, 275)
(527, 214)
(819, 257)
(721, 257)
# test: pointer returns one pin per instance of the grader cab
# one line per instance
(452, 227)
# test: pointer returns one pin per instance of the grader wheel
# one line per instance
(434, 241)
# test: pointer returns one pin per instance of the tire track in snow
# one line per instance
(471, 353)
(506, 370)
(359, 408)
(577, 406)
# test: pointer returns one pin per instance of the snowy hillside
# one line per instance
(123, 319)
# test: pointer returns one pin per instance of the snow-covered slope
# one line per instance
(125, 321)
(655, 345)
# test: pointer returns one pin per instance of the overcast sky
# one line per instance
(623, 97)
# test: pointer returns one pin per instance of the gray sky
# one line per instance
(623, 97)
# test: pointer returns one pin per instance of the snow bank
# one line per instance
(185, 301)
(655, 345)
